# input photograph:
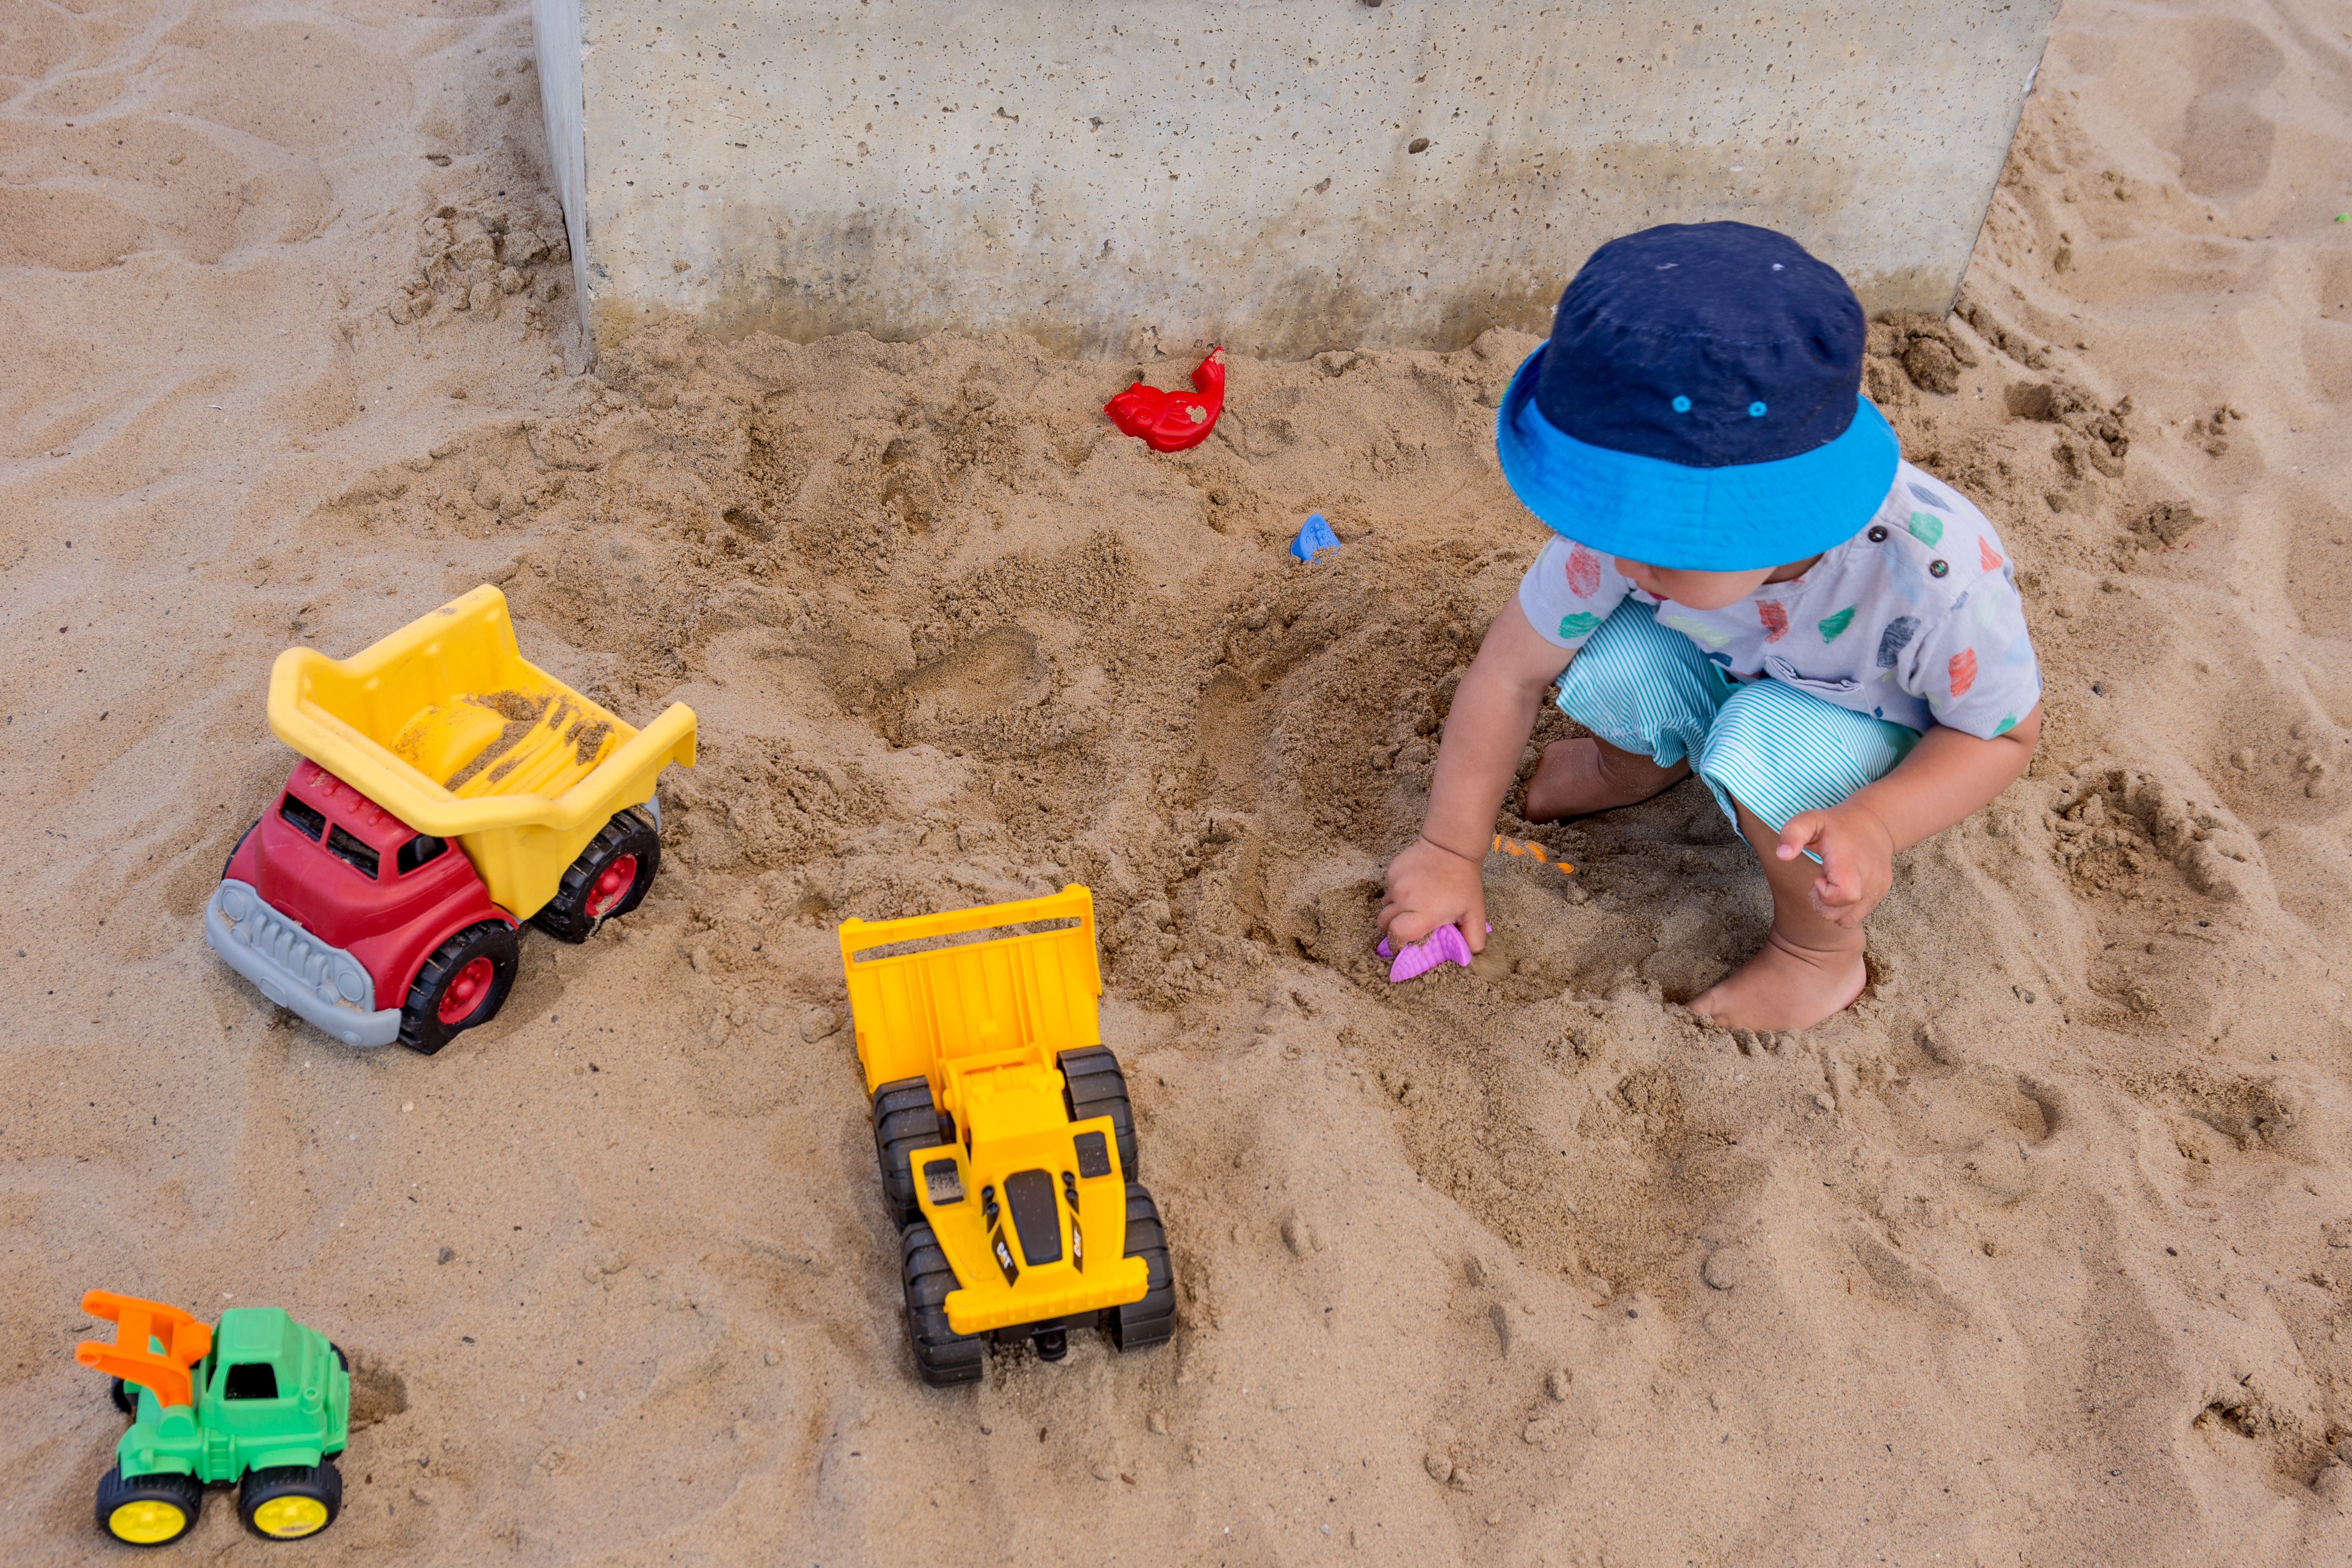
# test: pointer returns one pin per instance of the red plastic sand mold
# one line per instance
(1174, 420)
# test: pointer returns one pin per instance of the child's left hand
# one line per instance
(1858, 854)
(1948, 775)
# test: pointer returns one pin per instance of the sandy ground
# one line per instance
(2042, 1254)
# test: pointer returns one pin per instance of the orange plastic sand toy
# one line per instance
(136, 1322)
(1530, 848)
(1172, 421)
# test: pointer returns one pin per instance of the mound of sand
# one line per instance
(2037, 1255)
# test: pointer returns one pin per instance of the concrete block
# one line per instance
(1281, 176)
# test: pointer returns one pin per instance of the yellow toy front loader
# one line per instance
(1004, 1135)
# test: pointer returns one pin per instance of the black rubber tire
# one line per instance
(124, 1400)
(1095, 1086)
(1150, 1322)
(420, 1028)
(904, 1120)
(345, 1362)
(943, 1358)
(183, 1492)
(321, 1483)
(237, 846)
(565, 916)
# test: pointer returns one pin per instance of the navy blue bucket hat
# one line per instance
(1698, 404)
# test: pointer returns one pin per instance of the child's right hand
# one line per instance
(1493, 711)
(1431, 886)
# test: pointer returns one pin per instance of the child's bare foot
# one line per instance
(1576, 778)
(1809, 968)
(1785, 986)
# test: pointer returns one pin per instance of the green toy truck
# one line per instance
(260, 1403)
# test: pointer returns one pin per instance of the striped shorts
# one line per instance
(1774, 749)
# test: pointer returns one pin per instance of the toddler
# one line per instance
(1748, 584)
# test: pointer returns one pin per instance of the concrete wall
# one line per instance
(1109, 174)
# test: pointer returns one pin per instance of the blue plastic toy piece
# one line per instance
(1315, 536)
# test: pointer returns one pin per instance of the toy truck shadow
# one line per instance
(449, 791)
(260, 1403)
(1004, 1135)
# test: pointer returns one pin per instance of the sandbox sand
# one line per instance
(2041, 1255)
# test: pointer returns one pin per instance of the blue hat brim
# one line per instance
(1731, 519)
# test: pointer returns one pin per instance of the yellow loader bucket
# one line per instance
(446, 726)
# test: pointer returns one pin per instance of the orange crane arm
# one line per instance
(137, 1325)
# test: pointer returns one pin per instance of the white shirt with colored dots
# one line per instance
(1916, 619)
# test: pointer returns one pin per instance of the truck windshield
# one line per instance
(345, 847)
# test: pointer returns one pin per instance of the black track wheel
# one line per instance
(462, 984)
(147, 1511)
(611, 878)
(287, 1502)
(1096, 1087)
(904, 1120)
(124, 1400)
(943, 1357)
(1141, 1324)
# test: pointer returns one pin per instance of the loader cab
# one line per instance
(259, 1379)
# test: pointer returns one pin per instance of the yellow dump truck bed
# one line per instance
(1030, 994)
(445, 725)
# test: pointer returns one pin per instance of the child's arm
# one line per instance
(1435, 881)
(1949, 777)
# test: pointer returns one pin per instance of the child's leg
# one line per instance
(1809, 967)
(1649, 697)
(1578, 777)
(1773, 752)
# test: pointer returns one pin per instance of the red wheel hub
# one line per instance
(465, 992)
(613, 885)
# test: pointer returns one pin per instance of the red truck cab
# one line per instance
(335, 908)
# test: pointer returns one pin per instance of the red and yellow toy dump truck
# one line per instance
(1004, 1134)
(449, 791)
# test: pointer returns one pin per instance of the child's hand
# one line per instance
(1858, 854)
(1431, 886)
(1493, 711)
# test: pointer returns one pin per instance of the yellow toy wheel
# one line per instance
(284, 1517)
(149, 1522)
(287, 1502)
(147, 1511)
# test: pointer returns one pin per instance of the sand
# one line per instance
(2042, 1253)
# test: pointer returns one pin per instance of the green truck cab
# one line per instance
(259, 1402)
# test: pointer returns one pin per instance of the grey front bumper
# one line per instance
(325, 985)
